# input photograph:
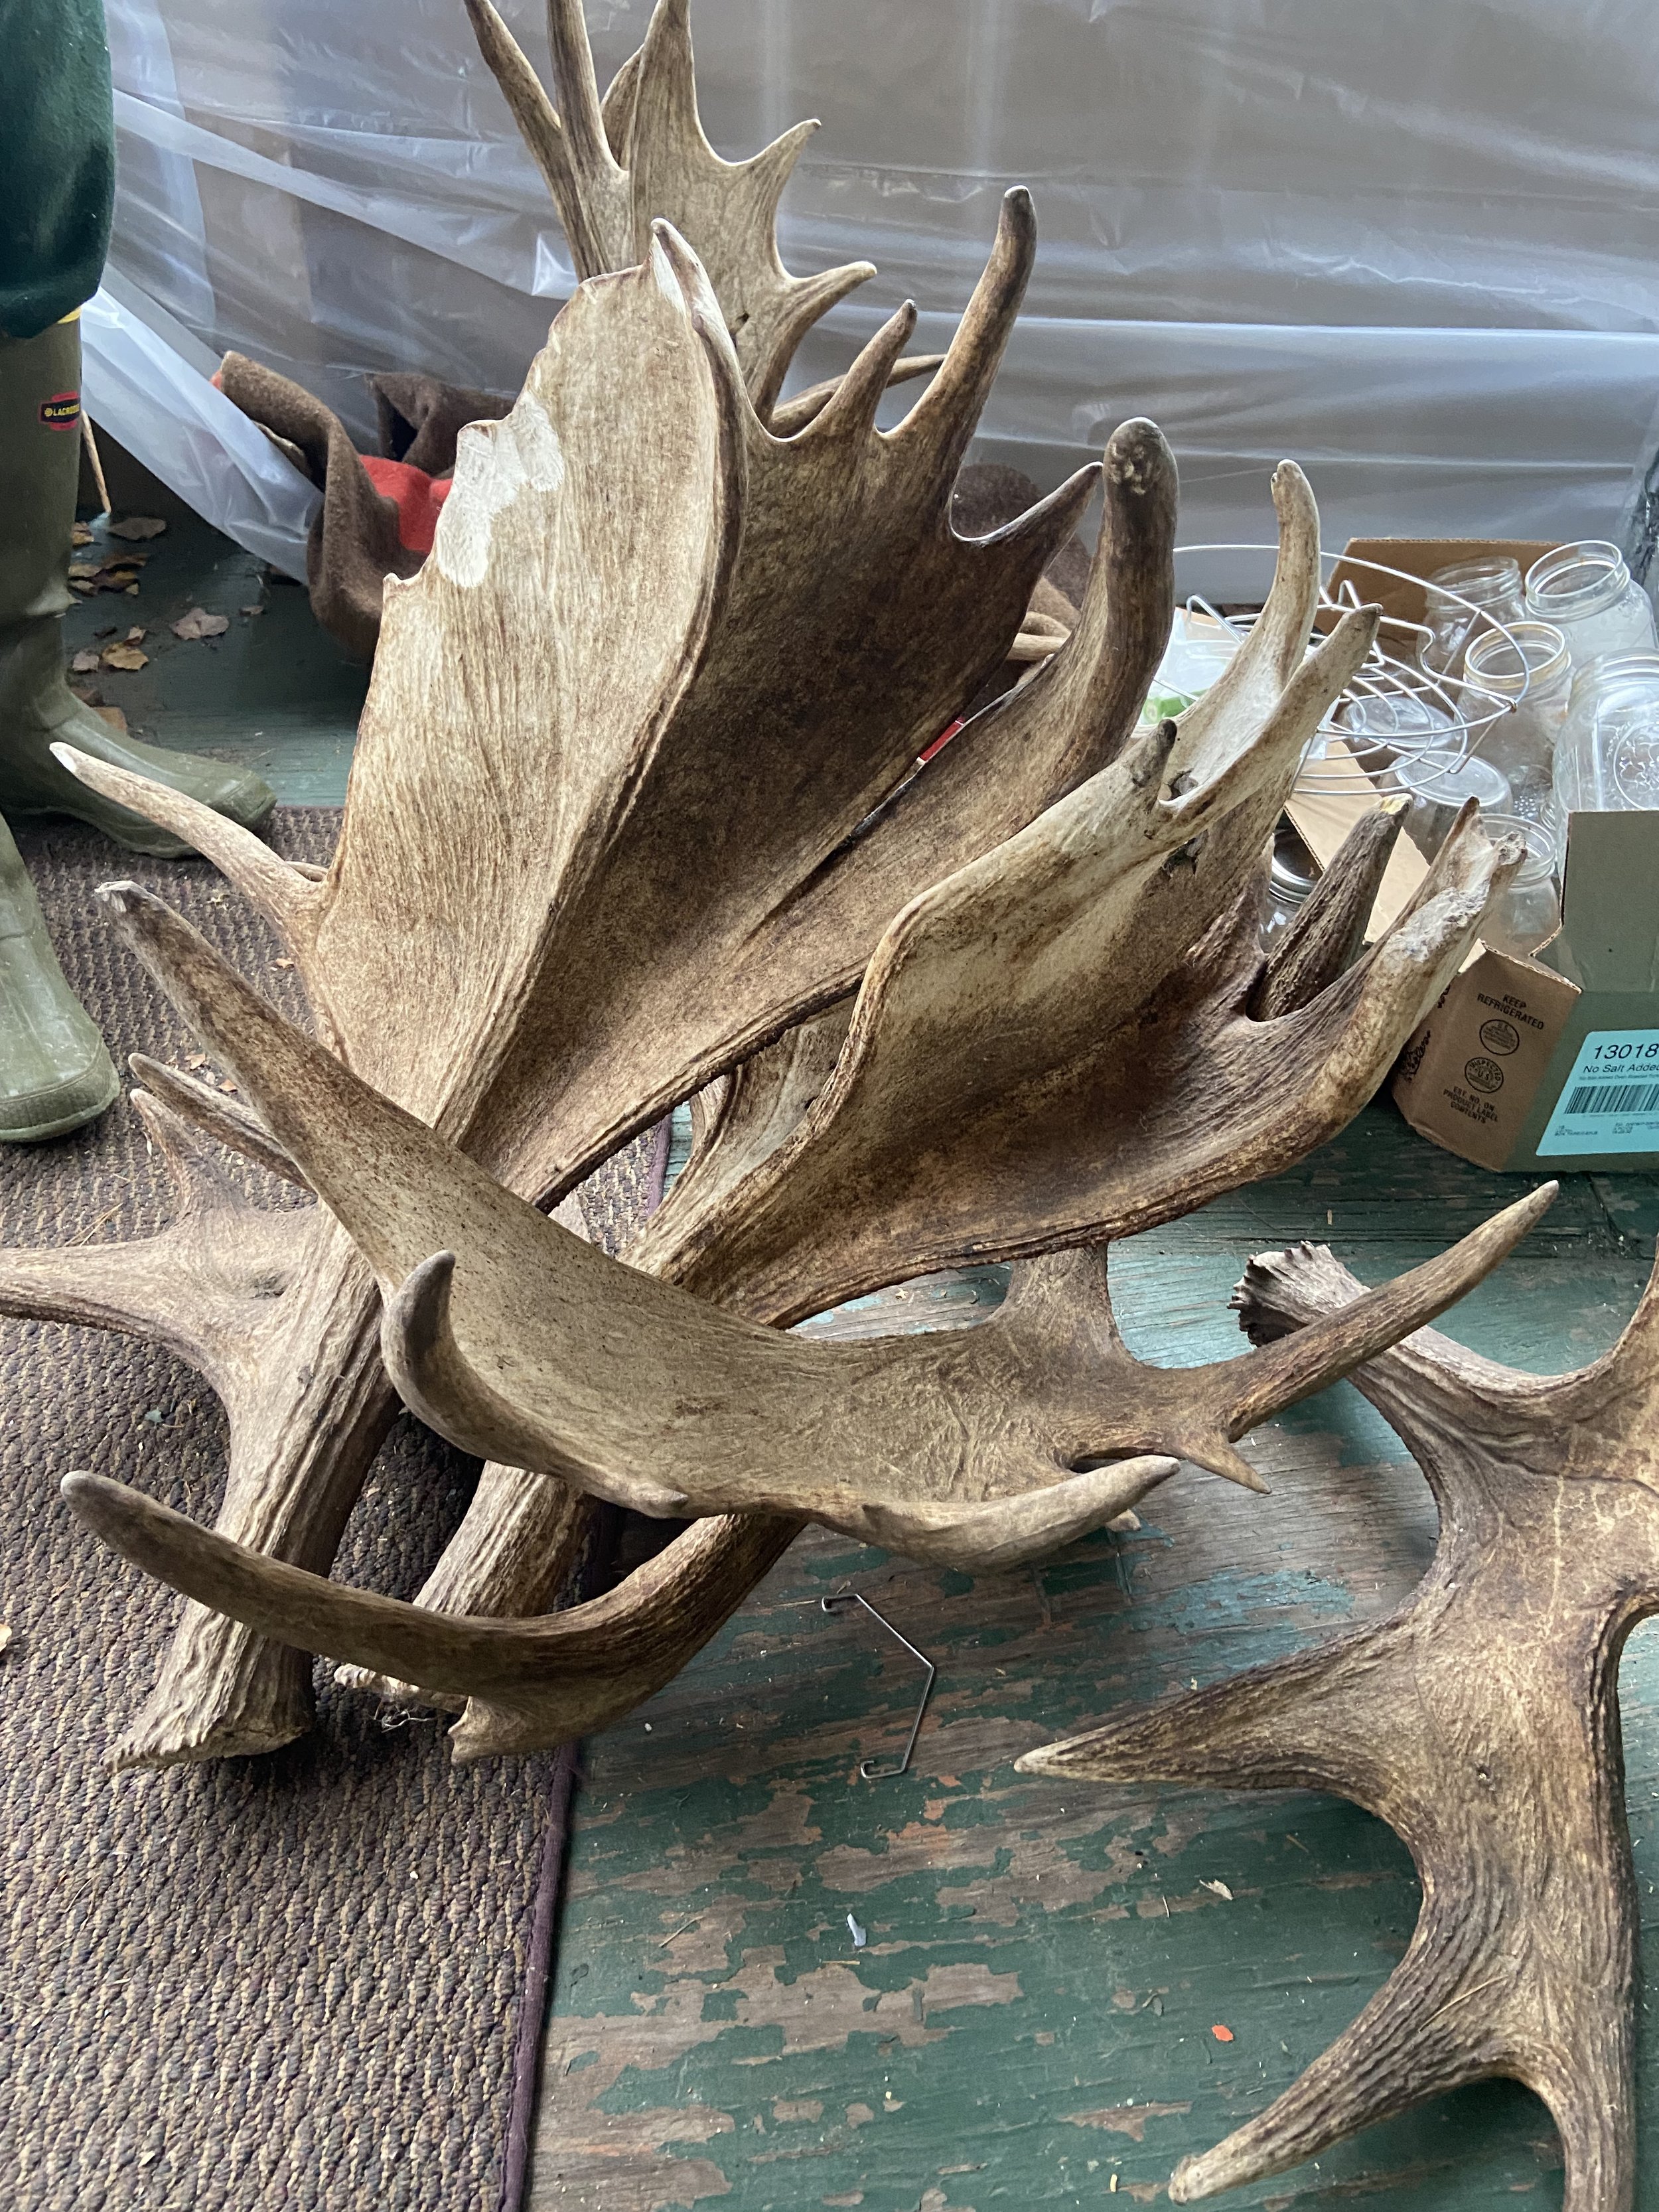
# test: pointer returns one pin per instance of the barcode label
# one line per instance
(1609, 1102)
(1614, 1098)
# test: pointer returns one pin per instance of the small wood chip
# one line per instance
(199, 623)
(132, 527)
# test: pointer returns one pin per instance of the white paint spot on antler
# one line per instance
(493, 463)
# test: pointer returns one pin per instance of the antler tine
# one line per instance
(543, 133)
(287, 897)
(1326, 936)
(1014, 1531)
(438, 1383)
(579, 89)
(1278, 1375)
(228, 1120)
(938, 428)
(456, 1653)
(1273, 651)
(850, 409)
(192, 1162)
(790, 416)
(1377, 1004)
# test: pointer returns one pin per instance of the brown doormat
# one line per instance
(294, 1981)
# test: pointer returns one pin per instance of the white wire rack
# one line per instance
(1395, 712)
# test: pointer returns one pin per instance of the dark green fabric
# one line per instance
(57, 159)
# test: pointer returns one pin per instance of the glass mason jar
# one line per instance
(1590, 595)
(1438, 788)
(1491, 587)
(1607, 758)
(1531, 667)
(1527, 912)
(1292, 876)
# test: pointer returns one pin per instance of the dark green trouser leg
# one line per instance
(39, 466)
(54, 1072)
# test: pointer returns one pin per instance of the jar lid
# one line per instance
(1441, 782)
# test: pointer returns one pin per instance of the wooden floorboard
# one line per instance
(1030, 2013)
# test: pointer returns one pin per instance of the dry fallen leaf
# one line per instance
(198, 623)
(5, 1636)
(80, 570)
(134, 526)
(124, 656)
(79, 533)
(196, 1060)
(114, 717)
(250, 611)
(226, 1085)
(135, 637)
(1219, 1889)
(84, 662)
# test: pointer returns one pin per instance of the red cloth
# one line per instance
(416, 495)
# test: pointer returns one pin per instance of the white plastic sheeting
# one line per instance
(1414, 243)
(147, 384)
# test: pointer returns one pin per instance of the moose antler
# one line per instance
(1481, 1721)
(979, 1449)
(610, 875)
(613, 167)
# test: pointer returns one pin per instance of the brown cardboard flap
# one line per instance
(1419, 557)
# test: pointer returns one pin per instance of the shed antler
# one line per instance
(981, 1449)
(1481, 1721)
(617, 859)
(613, 167)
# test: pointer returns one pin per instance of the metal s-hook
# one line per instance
(877, 1770)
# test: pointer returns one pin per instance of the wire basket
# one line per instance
(1396, 719)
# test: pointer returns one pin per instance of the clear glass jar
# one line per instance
(1439, 788)
(1527, 912)
(1482, 589)
(1531, 667)
(1590, 595)
(1292, 874)
(1607, 758)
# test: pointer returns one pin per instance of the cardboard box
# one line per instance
(1553, 1063)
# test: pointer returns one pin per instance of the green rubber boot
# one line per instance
(39, 468)
(54, 1073)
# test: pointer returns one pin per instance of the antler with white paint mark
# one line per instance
(607, 872)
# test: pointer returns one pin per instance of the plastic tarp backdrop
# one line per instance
(1414, 243)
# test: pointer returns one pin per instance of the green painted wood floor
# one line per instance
(1030, 2015)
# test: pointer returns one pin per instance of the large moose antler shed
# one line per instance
(648, 809)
